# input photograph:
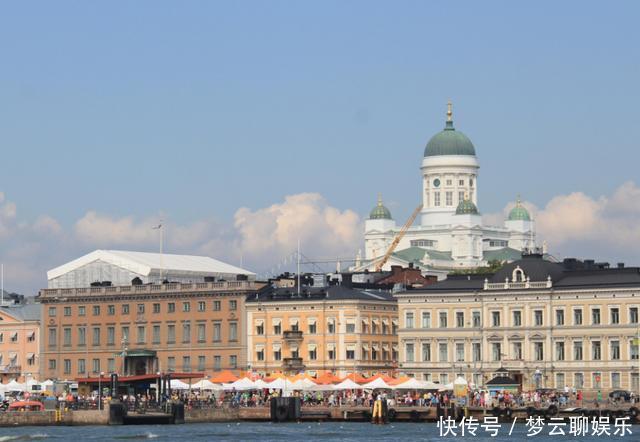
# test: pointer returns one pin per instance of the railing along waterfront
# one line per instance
(153, 288)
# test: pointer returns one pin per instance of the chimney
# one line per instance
(347, 280)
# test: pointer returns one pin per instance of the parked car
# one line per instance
(26, 406)
(620, 395)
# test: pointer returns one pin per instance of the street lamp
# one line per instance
(100, 390)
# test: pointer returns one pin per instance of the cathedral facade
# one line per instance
(450, 234)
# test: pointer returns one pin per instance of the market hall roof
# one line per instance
(144, 263)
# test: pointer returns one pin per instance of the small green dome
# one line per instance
(449, 141)
(380, 211)
(466, 207)
(519, 213)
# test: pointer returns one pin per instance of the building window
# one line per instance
(217, 332)
(633, 315)
(595, 316)
(615, 350)
(217, 362)
(125, 333)
(331, 353)
(496, 351)
(578, 380)
(233, 304)
(156, 307)
(459, 352)
(408, 352)
(559, 351)
(52, 364)
(217, 306)
(443, 319)
(111, 310)
(186, 363)
(171, 307)
(82, 367)
(448, 198)
(443, 352)
(96, 310)
(559, 317)
(96, 365)
(201, 363)
(31, 337)
(66, 337)
(615, 380)
(634, 351)
(171, 334)
(141, 334)
(476, 352)
(517, 318)
(156, 334)
(596, 350)
(615, 315)
(111, 365)
(426, 319)
(596, 380)
(67, 366)
(423, 243)
(171, 363)
(186, 332)
(559, 380)
(277, 328)
(351, 353)
(517, 351)
(537, 318)
(233, 331)
(460, 197)
(202, 306)
(495, 319)
(233, 361)
(96, 336)
(312, 354)
(426, 352)
(202, 333)
(111, 335)
(476, 319)
(82, 336)
(186, 307)
(436, 199)
(459, 319)
(260, 328)
(577, 316)
(260, 354)
(67, 311)
(125, 309)
(408, 320)
(312, 328)
(577, 351)
(538, 351)
(140, 309)
(52, 311)
(53, 337)
(331, 326)
(82, 310)
(277, 354)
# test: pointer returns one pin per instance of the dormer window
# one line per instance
(518, 275)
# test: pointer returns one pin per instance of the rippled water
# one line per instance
(326, 431)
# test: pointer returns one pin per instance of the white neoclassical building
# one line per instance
(450, 233)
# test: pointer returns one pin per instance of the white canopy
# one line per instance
(47, 383)
(177, 384)
(376, 384)
(323, 387)
(448, 387)
(302, 384)
(240, 384)
(279, 384)
(347, 384)
(460, 381)
(205, 384)
(15, 386)
(259, 383)
(411, 384)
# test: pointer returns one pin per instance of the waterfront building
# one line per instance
(19, 342)
(134, 328)
(450, 233)
(546, 324)
(318, 329)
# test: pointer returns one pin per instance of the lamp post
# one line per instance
(100, 390)
(537, 375)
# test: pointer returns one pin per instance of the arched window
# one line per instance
(518, 275)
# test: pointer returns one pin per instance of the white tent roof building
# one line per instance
(121, 267)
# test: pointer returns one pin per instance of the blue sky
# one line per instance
(195, 109)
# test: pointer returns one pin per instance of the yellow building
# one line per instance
(569, 324)
(337, 328)
(19, 342)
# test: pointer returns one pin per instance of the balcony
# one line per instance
(292, 364)
(292, 335)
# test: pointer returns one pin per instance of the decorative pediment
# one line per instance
(537, 336)
(494, 337)
(516, 337)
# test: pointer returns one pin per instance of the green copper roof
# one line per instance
(519, 212)
(466, 207)
(449, 141)
(505, 254)
(416, 255)
(380, 211)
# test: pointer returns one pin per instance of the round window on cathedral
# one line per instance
(436, 182)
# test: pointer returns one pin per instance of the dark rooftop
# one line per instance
(334, 292)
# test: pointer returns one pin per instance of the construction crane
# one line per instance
(397, 239)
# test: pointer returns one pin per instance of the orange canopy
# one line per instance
(397, 381)
(224, 377)
(384, 377)
(356, 377)
(274, 376)
(327, 378)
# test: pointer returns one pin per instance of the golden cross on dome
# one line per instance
(449, 111)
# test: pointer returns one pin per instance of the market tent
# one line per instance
(348, 384)
(447, 387)
(47, 383)
(356, 377)
(177, 384)
(224, 377)
(327, 378)
(15, 386)
(412, 384)
(377, 384)
(279, 384)
(207, 385)
(241, 384)
(259, 383)
(323, 387)
(302, 384)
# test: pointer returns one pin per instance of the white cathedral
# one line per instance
(450, 234)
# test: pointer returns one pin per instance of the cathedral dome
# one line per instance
(449, 141)
(380, 211)
(466, 207)
(519, 213)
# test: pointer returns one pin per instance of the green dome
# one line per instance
(519, 213)
(380, 211)
(449, 141)
(466, 207)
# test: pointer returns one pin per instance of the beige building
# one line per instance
(19, 342)
(549, 324)
(335, 329)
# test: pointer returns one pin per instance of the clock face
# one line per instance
(436, 182)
